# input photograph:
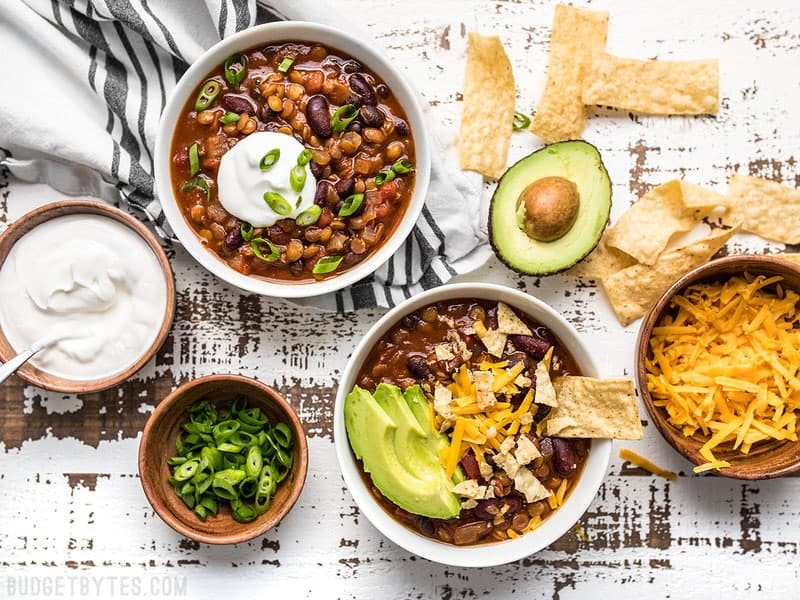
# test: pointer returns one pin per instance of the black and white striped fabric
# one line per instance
(86, 81)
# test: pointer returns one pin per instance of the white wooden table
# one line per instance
(74, 520)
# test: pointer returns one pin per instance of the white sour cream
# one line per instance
(87, 277)
(242, 183)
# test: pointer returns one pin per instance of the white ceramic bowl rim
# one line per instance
(292, 31)
(482, 555)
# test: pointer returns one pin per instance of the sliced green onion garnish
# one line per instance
(247, 231)
(521, 121)
(402, 166)
(199, 183)
(343, 116)
(351, 205)
(274, 252)
(384, 176)
(228, 118)
(297, 178)
(269, 159)
(326, 264)
(285, 65)
(299, 202)
(194, 159)
(309, 216)
(278, 203)
(235, 69)
(304, 157)
(208, 93)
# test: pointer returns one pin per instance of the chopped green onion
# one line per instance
(278, 203)
(235, 69)
(304, 158)
(247, 231)
(186, 470)
(297, 178)
(194, 159)
(269, 159)
(343, 116)
(521, 121)
(326, 264)
(402, 166)
(283, 435)
(285, 65)
(299, 202)
(351, 205)
(274, 254)
(255, 461)
(309, 216)
(228, 118)
(208, 93)
(384, 176)
(197, 183)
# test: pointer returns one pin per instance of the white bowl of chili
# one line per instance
(583, 489)
(213, 107)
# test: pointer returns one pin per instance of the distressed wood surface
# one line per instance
(71, 504)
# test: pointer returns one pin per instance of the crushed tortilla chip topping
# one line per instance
(725, 364)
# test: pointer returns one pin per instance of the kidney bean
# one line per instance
(372, 116)
(541, 412)
(318, 116)
(317, 170)
(345, 187)
(350, 259)
(354, 126)
(470, 465)
(361, 87)
(418, 366)
(426, 526)
(545, 334)
(383, 90)
(324, 189)
(277, 235)
(401, 127)
(470, 533)
(410, 321)
(487, 510)
(234, 238)
(564, 461)
(534, 346)
(238, 104)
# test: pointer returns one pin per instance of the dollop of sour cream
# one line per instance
(91, 279)
(242, 183)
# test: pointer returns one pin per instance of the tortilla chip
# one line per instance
(790, 256)
(488, 109)
(765, 208)
(509, 323)
(495, 342)
(656, 87)
(561, 114)
(632, 291)
(602, 262)
(595, 408)
(545, 393)
(697, 196)
(644, 230)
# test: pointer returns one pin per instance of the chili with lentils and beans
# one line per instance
(361, 152)
(407, 355)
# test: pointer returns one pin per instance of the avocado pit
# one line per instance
(550, 208)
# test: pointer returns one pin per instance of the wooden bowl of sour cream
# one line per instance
(119, 287)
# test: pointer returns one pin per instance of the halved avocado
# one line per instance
(550, 209)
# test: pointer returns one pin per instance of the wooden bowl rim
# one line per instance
(259, 526)
(712, 270)
(53, 210)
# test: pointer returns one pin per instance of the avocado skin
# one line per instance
(392, 435)
(511, 218)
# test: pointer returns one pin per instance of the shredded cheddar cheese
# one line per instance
(642, 462)
(726, 365)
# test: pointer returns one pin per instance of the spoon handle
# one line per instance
(8, 369)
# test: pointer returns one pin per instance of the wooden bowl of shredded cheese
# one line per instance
(718, 366)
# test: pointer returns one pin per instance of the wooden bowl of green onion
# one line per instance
(223, 459)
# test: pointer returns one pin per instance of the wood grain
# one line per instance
(71, 501)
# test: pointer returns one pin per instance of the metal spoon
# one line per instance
(7, 369)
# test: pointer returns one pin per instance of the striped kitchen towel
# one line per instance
(87, 81)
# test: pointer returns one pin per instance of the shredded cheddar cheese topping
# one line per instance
(727, 364)
(647, 465)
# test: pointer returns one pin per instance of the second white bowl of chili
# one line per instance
(391, 353)
(352, 133)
